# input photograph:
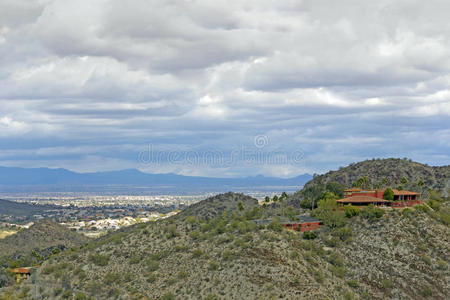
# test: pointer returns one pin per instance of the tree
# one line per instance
(388, 194)
(363, 183)
(336, 188)
(404, 180)
(384, 181)
(284, 195)
(266, 199)
(275, 198)
(240, 206)
(327, 211)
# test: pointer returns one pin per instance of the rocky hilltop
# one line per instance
(389, 172)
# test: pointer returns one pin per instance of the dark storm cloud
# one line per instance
(88, 85)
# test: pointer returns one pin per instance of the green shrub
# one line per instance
(275, 225)
(197, 253)
(151, 278)
(211, 297)
(227, 255)
(309, 235)
(212, 266)
(111, 278)
(182, 274)
(168, 296)
(343, 233)
(353, 283)
(387, 284)
(67, 294)
(99, 260)
(335, 259)
(434, 204)
(372, 212)
(80, 296)
(426, 292)
(427, 260)
(351, 211)
(331, 241)
(442, 264)
(171, 231)
(134, 259)
(152, 265)
(388, 194)
(338, 271)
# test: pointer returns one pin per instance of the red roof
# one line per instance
(399, 193)
(361, 199)
(353, 190)
(21, 270)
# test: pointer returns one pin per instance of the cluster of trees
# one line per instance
(313, 194)
(275, 198)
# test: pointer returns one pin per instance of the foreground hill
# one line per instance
(399, 255)
(42, 238)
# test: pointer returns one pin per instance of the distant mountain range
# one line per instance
(12, 176)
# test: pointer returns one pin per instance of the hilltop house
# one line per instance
(300, 223)
(21, 273)
(357, 196)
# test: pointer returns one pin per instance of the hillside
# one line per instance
(381, 173)
(398, 255)
(393, 169)
(12, 208)
(42, 237)
(216, 205)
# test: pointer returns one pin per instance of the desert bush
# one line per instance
(152, 265)
(227, 255)
(309, 235)
(168, 296)
(197, 253)
(434, 204)
(427, 260)
(331, 241)
(99, 260)
(212, 265)
(111, 278)
(442, 264)
(335, 259)
(275, 225)
(134, 259)
(343, 233)
(80, 296)
(182, 274)
(372, 212)
(387, 284)
(426, 292)
(338, 271)
(171, 231)
(351, 211)
(353, 283)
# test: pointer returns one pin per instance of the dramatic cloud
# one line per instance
(223, 88)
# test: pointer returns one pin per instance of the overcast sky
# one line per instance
(278, 88)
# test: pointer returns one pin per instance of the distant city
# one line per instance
(95, 210)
